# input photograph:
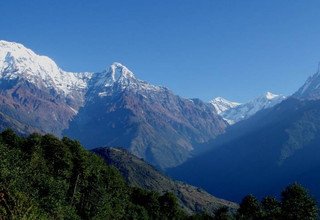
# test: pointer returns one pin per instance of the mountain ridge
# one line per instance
(234, 112)
(264, 153)
(113, 106)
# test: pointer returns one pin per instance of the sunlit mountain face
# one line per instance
(108, 108)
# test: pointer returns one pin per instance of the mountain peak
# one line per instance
(19, 62)
(120, 77)
(9, 44)
(270, 95)
(218, 99)
(221, 104)
(233, 112)
(118, 70)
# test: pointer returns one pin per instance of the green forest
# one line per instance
(44, 177)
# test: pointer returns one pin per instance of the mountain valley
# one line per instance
(261, 155)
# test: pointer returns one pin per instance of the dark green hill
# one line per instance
(140, 174)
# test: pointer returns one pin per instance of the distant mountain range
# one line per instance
(110, 108)
(234, 112)
(266, 152)
(221, 105)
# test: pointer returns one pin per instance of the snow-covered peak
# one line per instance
(118, 70)
(266, 100)
(243, 111)
(220, 104)
(270, 95)
(120, 77)
(115, 74)
(17, 61)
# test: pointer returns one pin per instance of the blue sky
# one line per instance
(235, 49)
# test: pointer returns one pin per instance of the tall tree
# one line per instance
(271, 208)
(250, 208)
(298, 204)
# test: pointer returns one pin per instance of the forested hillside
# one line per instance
(42, 177)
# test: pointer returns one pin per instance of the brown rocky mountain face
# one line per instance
(150, 121)
(39, 110)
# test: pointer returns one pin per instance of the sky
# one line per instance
(197, 48)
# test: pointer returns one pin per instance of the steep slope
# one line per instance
(311, 88)
(262, 154)
(35, 92)
(149, 120)
(139, 174)
(234, 112)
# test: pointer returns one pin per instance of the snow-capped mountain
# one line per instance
(120, 77)
(19, 62)
(221, 105)
(243, 111)
(108, 108)
(35, 94)
(151, 121)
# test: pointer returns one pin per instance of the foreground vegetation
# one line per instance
(296, 203)
(43, 177)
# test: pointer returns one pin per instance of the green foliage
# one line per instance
(250, 208)
(201, 216)
(271, 208)
(157, 206)
(43, 177)
(298, 204)
(169, 207)
(222, 214)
